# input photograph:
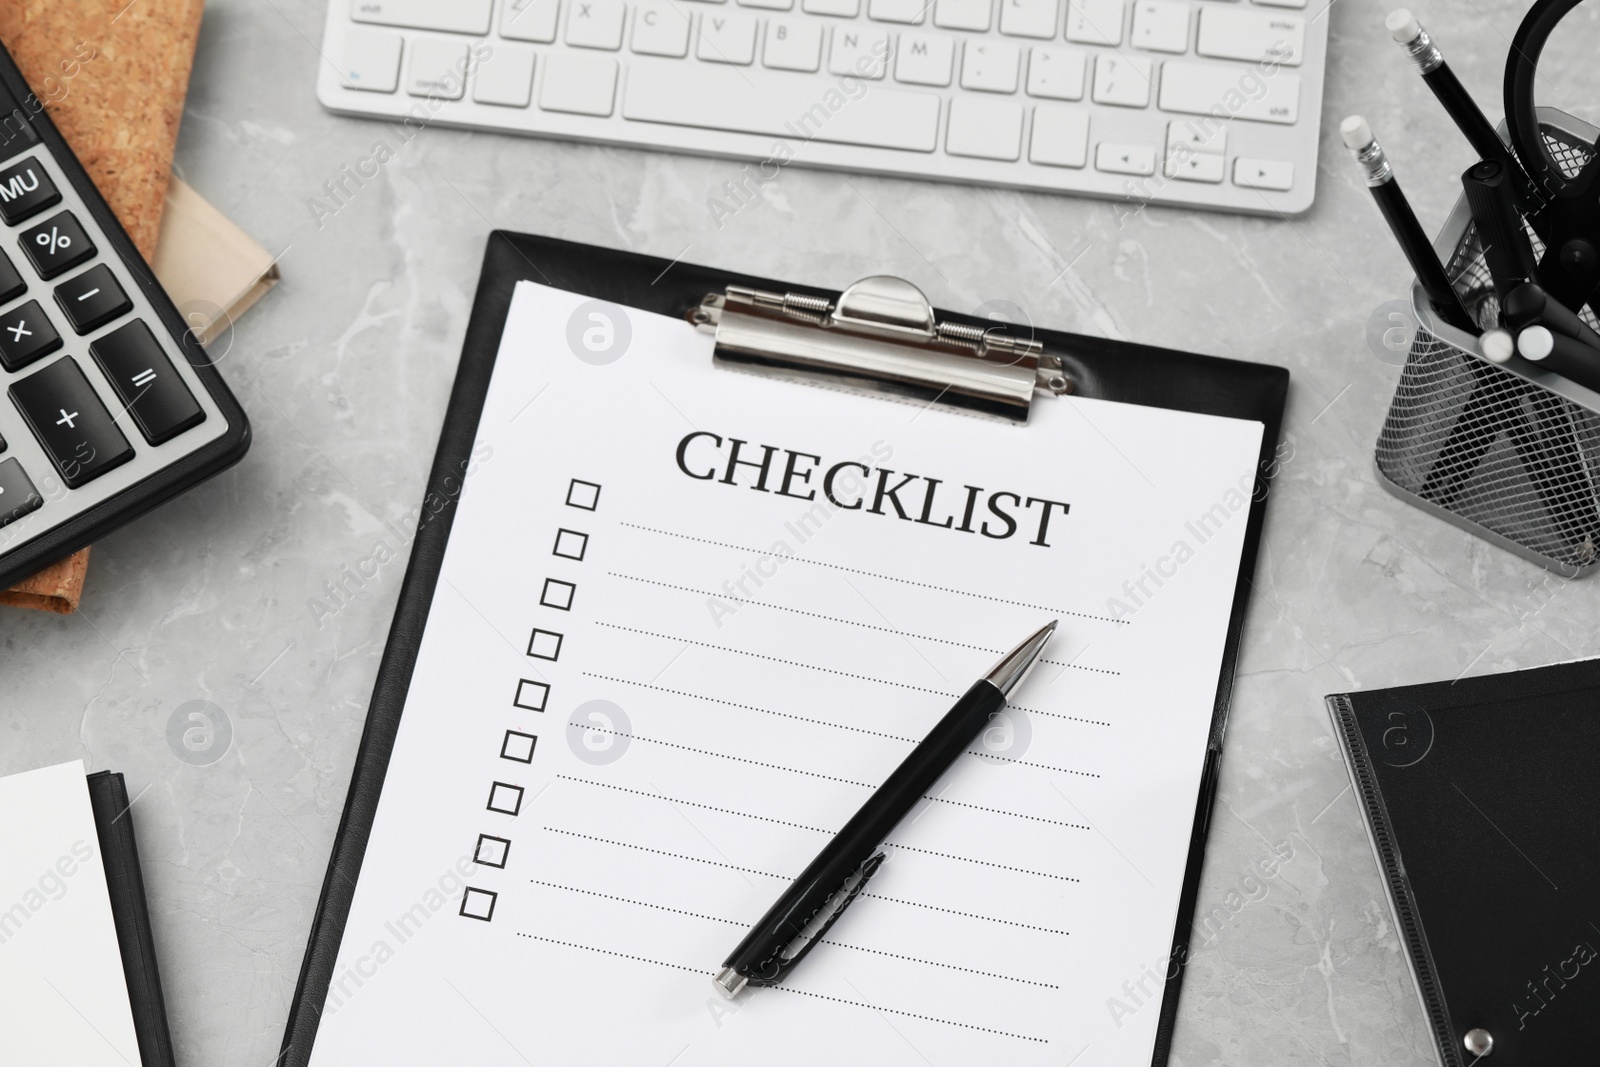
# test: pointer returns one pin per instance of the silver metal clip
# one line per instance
(881, 334)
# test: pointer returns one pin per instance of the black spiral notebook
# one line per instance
(1483, 807)
(667, 618)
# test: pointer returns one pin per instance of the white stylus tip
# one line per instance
(1496, 345)
(1356, 133)
(1535, 343)
(1402, 25)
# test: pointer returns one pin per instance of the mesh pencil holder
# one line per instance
(1509, 452)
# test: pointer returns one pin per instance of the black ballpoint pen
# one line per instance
(816, 899)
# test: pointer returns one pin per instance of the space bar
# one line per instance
(751, 100)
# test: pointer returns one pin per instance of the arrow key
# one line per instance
(1263, 174)
(1137, 159)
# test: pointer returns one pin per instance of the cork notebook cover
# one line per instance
(113, 75)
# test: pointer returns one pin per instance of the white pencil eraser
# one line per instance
(1496, 345)
(1402, 25)
(1535, 343)
(1356, 133)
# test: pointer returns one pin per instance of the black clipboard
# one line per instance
(1099, 368)
(1479, 797)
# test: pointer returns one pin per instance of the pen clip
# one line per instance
(819, 923)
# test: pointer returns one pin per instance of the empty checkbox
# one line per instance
(478, 903)
(582, 494)
(570, 544)
(544, 644)
(531, 695)
(505, 798)
(491, 850)
(518, 746)
(557, 594)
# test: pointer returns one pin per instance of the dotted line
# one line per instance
(1030, 763)
(692, 804)
(752, 707)
(775, 659)
(851, 622)
(907, 1014)
(621, 955)
(936, 963)
(885, 577)
(966, 914)
(721, 755)
(1057, 715)
(641, 903)
(823, 940)
(811, 614)
(985, 863)
(674, 855)
(1013, 814)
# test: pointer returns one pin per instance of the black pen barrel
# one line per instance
(1506, 249)
(1418, 250)
(756, 956)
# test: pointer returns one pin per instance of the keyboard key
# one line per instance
(66, 415)
(906, 11)
(661, 28)
(858, 51)
(962, 14)
(1056, 73)
(57, 245)
(18, 497)
(727, 37)
(1125, 158)
(1094, 21)
(596, 24)
(770, 5)
(12, 283)
(1030, 18)
(984, 127)
(1282, 3)
(26, 335)
(990, 66)
(1121, 80)
(371, 61)
(505, 77)
(793, 44)
(438, 68)
(25, 188)
(1195, 167)
(843, 8)
(450, 16)
(756, 100)
(1240, 33)
(1161, 26)
(578, 84)
(1192, 135)
(92, 299)
(1060, 136)
(1263, 174)
(924, 59)
(1195, 89)
(145, 381)
(529, 20)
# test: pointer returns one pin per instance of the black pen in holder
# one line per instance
(1508, 451)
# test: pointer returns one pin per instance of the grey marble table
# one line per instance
(345, 369)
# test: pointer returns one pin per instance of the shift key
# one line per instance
(147, 385)
(66, 415)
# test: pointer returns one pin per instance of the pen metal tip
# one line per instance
(1014, 665)
(729, 982)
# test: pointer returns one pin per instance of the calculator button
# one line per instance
(18, 497)
(12, 284)
(66, 415)
(146, 382)
(26, 335)
(25, 188)
(92, 299)
(57, 245)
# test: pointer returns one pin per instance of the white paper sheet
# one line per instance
(63, 997)
(737, 669)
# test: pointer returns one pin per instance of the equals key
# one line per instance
(146, 382)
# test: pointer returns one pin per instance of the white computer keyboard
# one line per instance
(1209, 103)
